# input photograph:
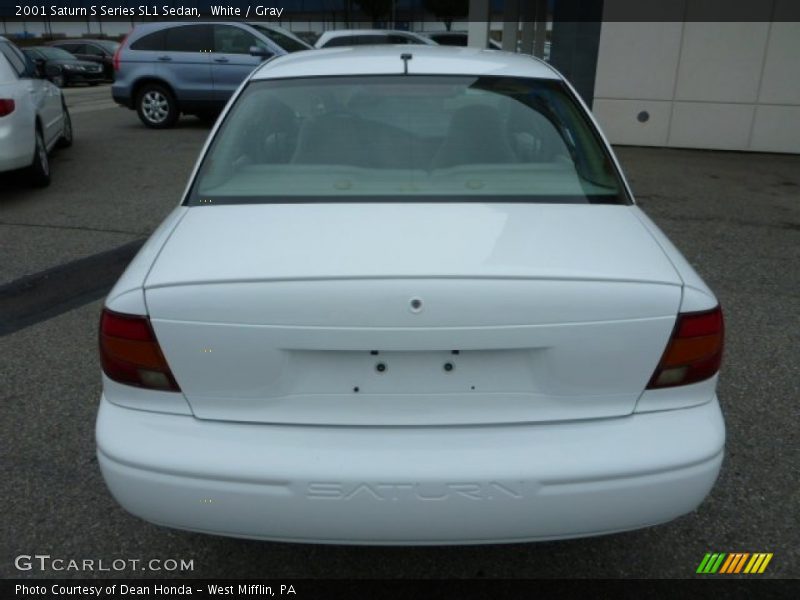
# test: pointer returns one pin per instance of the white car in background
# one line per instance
(33, 116)
(457, 38)
(460, 38)
(370, 37)
(408, 299)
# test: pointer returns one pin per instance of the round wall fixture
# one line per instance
(415, 305)
(643, 117)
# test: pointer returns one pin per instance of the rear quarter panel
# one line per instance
(16, 129)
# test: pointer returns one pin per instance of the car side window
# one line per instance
(345, 40)
(448, 40)
(75, 48)
(151, 42)
(368, 40)
(15, 58)
(399, 39)
(189, 38)
(234, 40)
(93, 50)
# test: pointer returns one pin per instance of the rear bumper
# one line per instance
(16, 142)
(121, 96)
(12, 162)
(410, 485)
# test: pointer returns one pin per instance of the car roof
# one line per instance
(156, 25)
(343, 32)
(41, 48)
(385, 60)
(77, 41)
(333, 34)
(142, 29)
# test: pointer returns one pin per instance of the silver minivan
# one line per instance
(165, 69)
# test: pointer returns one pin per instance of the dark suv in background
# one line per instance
(165, 69)
(96, 51)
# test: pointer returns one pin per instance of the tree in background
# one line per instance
(447, 11)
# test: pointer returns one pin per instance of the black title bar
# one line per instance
(388, 11)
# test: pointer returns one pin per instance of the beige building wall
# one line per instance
(687, 84)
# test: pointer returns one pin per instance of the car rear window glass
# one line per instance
(234, 40)
(56, 54)
(344, 40)
(450, 40)
(95, 50)
(282, 38)
(15, 58)
(188, 38)
(152, 41)
(109, 45)
(6, 72)
(369, 40)
(33, 54)
(73, 48)
(363, 40)
(406, 139)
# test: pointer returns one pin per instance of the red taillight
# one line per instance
(117, 51)
(130, 354)
(7, 106)
(694, 351)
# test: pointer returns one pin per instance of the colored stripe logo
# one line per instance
(734, 562)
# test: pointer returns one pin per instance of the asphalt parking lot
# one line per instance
(735, 216)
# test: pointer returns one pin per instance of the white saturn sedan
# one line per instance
(407, 298)
(33, 117)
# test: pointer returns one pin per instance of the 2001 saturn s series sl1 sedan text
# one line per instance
(408, 299)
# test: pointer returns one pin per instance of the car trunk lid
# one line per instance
(412, 314)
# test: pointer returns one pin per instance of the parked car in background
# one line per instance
(309, 37)
(408, 298)
(164, 69)
(97, 51)
(369, 37)
(33, 116)
(457, 38)
(62, 68)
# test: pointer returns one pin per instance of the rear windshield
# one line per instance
(109, 45)
(450, 40)
(284, 39)
(55, 53)
(406, 139)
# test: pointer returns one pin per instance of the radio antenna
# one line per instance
(405, 57)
